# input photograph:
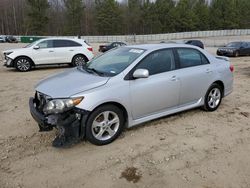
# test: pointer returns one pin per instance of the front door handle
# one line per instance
(51, 51)
(174, 78)
(208, 71)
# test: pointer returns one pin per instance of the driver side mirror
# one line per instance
(36, 47)
(141, 73)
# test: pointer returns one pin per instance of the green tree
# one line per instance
(184, 16)
(148, 17)
(108, 17)
(243, 13)
(74, 16)
(223, 14)
(134, 17)
(37, 18)
(164, 9)
(201, 10)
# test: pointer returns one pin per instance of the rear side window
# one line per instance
(244, 45)
(158, 62)
(73, 43)
(190, 58)
(65, 43)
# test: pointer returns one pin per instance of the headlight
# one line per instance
(8, 53)
(60, 105)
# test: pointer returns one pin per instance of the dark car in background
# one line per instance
(195, 43)
(2, 39)
(235, 49)
(11, 39)
(104, 48)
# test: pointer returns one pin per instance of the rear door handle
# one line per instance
(174, 78)
(51, 51)
(71, 50)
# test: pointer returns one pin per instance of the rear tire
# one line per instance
(213, 98)
(104, 125)
(79, 60)
(23, 64)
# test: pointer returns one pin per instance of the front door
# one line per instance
(45, 54)
(160, 90)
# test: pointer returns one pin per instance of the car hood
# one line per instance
(69, 83)
(14, 50)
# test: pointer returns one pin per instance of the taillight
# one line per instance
(231, 68)
(90, 49)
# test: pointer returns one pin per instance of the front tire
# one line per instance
(236, 54)
(23, 64)
(213, 97)
(79, 60)
(104, 125)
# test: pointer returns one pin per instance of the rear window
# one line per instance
(190, 58)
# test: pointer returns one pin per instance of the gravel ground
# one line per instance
(188, 149)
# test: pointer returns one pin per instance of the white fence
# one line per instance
(167, 36)
(206, 36)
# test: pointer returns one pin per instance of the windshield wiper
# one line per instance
(96, 71)
(92, 70)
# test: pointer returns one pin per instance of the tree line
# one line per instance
(113, 17)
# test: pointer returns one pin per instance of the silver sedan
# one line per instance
(128, 86)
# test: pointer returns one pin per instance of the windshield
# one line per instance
(115, 61)
(31, 44)
(234, 44)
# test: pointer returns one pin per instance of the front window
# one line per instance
(115, 61)
(46, 44)
(158, 62)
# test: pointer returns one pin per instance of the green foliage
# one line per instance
(184, 16)
(223, 14)
(243, 13)
(74, 15)
(201, 10)
(111, 17)
(108, 17)
(134, 16)
(37, 16)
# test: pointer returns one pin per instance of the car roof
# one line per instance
(161, 46)
(60, 38)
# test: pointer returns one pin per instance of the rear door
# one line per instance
(62, 51)
(195, 74)
(160, 90)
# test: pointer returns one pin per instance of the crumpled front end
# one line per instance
(70, 125)
(8, 62)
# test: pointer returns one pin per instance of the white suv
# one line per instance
(49, 51)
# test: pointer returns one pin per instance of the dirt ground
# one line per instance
(193, 149)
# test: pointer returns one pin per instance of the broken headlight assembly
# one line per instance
(57, 106)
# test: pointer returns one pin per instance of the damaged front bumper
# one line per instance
(70, 124)
(8, 62)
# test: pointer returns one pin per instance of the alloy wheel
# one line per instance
(105, 125)
(79, 61)
(23, 65)
(214, 98)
